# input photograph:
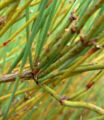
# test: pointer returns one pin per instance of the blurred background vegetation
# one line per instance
(51, 59)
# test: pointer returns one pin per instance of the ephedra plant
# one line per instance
(51, 59)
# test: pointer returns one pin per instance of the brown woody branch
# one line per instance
(26, 74)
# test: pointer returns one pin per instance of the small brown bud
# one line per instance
(73, 30)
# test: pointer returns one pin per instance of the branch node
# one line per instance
(62, 98)
(35, 74)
